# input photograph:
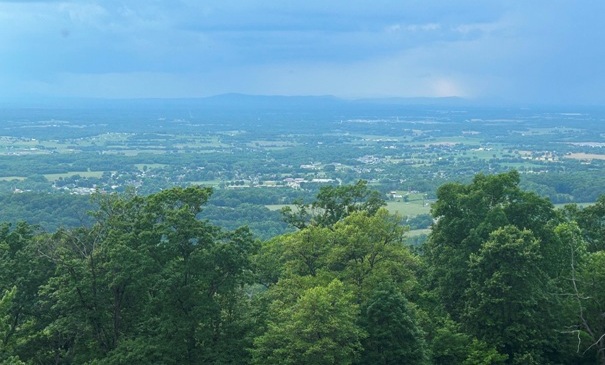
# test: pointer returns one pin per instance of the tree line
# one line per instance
(503, 278)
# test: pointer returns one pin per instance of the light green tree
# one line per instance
(334, 203)
(319, 328)
(368, 249)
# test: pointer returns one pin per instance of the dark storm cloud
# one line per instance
(539, 50)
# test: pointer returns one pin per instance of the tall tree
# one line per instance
(6, 327)
(149, 282)
(334, 203)
(586, 290)
(465, 217)
(592, 222)
(319, 328)
(591, 304)
(368, 250)
(481, 229)
(22, 273)
(394, 336)
(507, 300)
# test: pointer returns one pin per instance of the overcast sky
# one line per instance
(545, 51)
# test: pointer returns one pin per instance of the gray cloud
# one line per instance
(512, 50)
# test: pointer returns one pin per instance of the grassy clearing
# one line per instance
(12, 178)
(585, 156)
(465, 140)
(409, 209)
(418, 232)
(581, 205)
(134, 152)
(198, 141)
(278, 206)
(55, 177)
(206, 183)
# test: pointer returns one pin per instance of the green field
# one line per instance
(55, 177)
(278, 206)
(409, 209)
(11, 178)
(113, 143)
(213, 183)
(581, 205)
(418, 232)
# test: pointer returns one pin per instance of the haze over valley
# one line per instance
(287, 183)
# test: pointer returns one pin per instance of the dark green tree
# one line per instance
(22, 273)
(6, 328)
(508, 298)
(590, 307)
(482, 229)
(592, 222)
(466, 215)
(149, 282)
(394, 336)
(585, 289)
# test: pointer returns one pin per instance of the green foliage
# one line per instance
(22, 272)
(590, 307)
(481, 354)
(319, 328)
(357, 245)
(421, 221)
(368, 249)
(393, 334)
(592, 222)
(496, 265)
(450, 345)
(148, 279)
(334, 203)
(263, 222)
(361, 250)
(502, 279)
(507, 300)
(466, 216)
(49, 211)
(7, 327)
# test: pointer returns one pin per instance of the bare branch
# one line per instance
(595, 344)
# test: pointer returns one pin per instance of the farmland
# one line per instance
(269, 152)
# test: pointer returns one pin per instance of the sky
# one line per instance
(527, 51)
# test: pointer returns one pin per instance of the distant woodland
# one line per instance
(504, 277)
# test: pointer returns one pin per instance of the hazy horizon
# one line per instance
(500, 51)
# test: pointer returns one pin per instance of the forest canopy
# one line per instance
(503, 278)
